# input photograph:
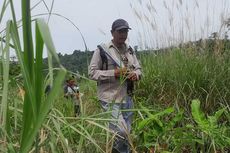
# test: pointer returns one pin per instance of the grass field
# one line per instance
(181, 103)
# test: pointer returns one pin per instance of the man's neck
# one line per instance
(118, 45)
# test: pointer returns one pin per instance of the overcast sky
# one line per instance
(154, 23)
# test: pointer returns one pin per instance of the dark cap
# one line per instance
(120, 24)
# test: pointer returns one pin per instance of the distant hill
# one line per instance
(76, 62)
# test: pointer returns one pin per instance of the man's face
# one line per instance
(119, 36)
(71, 82)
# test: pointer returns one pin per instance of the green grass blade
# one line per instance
(60, 134)
(45, 33)
(28, 50)
(14, 23)
(43, 111)
(50, 62)
(38, 67)
(27, 37)
(27, 115)
(5, 64)
(4, 6)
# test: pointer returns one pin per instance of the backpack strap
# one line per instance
(131, 51)
(104, 58)
(72, 89)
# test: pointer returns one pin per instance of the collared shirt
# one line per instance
(111, 89)
(71, 91)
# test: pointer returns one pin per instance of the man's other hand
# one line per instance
(132, 76)
(121, 72)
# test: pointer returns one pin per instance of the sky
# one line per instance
(155, 23)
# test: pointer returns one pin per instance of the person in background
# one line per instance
(71, 90)
(115, 67)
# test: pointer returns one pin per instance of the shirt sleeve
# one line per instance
(95, 73)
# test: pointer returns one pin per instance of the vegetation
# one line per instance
(75, 62)
(181, 103)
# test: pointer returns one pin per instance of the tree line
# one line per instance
(78, 61)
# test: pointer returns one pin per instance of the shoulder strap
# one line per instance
(103, 58)
(131, 51)
(66, 88)
(72, 89)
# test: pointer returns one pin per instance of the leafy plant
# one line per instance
(213, 134)
(168, 130)
(156, 130)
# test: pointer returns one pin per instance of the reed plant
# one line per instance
(35, 107)
(30, 123)
(179, 77)
(36, 122)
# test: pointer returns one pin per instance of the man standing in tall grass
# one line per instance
(115, 68)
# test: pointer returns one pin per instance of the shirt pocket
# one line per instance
(111, 64)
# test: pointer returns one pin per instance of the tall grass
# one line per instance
(35, 107)
(162, 24)
(33, 116)
(45, 123)
(179, 77)
(187, 70)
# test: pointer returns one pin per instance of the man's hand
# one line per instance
(118, 72)
(132, 76)
(77, 94)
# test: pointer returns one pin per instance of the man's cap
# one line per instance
(120, 24)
